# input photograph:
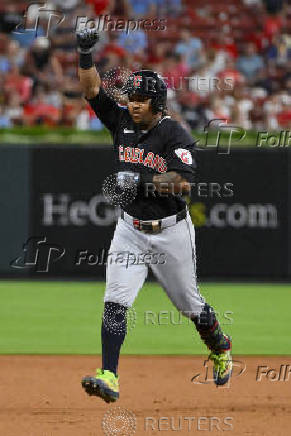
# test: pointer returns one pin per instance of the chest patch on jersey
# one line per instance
(184, 155)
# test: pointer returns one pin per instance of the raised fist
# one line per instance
(86, 39)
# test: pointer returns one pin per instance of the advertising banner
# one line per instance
(238, 204)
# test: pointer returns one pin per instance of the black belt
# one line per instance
(154, 226)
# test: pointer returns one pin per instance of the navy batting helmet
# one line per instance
(149, 84)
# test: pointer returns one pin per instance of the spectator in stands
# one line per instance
(225, 44)
(101, 7)
(250, 63)
(141, 8)
(15, 82)
(273, 6)
(133, 42)
(218, 109)
(242, 107)
(252, 2)
(191, 109)
(42, 65)
(13, 55)
(279, 50)
(38, 111)
(67, 5)
(214, 61)
(264, 104)
(175, 71)
(263, 81)
(169, 8)
(112, 55)
(14, 109)
(272, 25)
(230, 74)
(272, 107)
(189, 47)
(4, 119)
(10, 18)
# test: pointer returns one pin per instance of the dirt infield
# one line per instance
(42, 396)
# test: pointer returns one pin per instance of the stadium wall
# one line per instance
(55, 222)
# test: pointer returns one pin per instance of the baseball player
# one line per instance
(155, 161)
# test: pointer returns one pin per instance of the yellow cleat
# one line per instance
(222, 367)
(105, 385)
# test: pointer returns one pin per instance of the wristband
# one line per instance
(86, 61)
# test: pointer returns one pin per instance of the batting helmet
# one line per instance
(148, 83)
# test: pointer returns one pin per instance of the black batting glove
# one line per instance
(86, 40)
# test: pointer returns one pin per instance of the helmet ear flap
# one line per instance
(156, 106)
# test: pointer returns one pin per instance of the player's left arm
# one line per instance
(170, 182)
(181, 163)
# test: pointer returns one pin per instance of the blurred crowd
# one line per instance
(229, 61)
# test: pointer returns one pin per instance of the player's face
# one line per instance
(140, 109)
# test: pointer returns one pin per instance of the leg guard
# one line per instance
(112, 333)
(210, 331)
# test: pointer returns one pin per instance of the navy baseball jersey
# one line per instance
(165, 147)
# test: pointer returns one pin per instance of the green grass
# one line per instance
(38, 135)
(64, 318)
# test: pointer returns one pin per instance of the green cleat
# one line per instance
(105, 385)
(222, 367)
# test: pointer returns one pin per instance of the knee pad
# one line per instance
(114, 318)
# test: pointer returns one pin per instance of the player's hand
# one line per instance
(86, 40)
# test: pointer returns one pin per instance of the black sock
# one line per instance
(112, 333)
(210, 331)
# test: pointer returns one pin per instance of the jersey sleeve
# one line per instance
(181, 152)
(106, 109)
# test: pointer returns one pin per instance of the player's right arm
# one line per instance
(106, 108)
(88, 75)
